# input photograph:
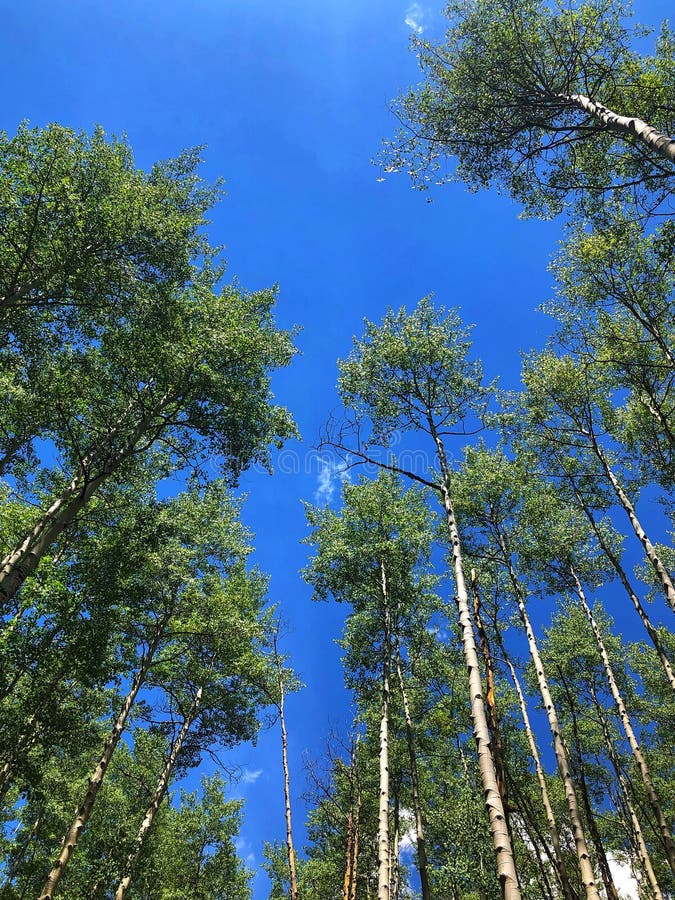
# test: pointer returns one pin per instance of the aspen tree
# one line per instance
(188, 558)
(373, 555)
(493, 494)
(547, 100)
(193, 374)
(412, 372)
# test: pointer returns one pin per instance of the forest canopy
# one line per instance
(500, 559)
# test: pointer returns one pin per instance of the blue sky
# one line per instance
(291, 99)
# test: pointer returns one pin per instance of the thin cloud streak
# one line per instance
(413, 18)
(330, 475)
(250, 776)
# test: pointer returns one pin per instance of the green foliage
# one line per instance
(178, 370)
(412, 372)
(275, 864)
(125, 360)
(498, 96)
(192, 855)
(83, 229)
(343, 794)
(85, 239)
(615, 308)
(581, 696)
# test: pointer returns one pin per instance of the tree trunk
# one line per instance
(492, 720)
(583, 856)
(627, 126)
(95, 468)
(355, 845)
(541, 778)
(383, 853)
(618, 568)
(415, 785)
(395, 869)
(160, 791)
(347, 880)
(650, 551)
(96, 778)
(538, 845)
(290, 850)
(653, 405)
(349, 855)
(501, 840)
(645, 859)
(603, 864)
(628, 726)
(352, 829)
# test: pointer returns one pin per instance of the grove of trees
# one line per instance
(506, 741)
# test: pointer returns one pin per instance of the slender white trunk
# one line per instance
(491, 708)
(414, 784)
(355, 846)
(645, 859)
(628, 726)
(156, 802)
(96, 779)
(383, 852)
(395, 871)
(352, 827)
(618, 568)
(541, 778)
(290, 849)
(650, 551)
(347, 881)
(630, 126)
(501, 839)
(600, 855)
(583, 855)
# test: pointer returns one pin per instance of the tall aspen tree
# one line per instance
(412, 372)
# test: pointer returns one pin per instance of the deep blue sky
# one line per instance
(291, 100)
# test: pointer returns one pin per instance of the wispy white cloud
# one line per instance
(325, 488)
(331, 474)
(245, 851)
(250, 776)
(414, 16)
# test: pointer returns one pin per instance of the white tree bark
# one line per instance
(630, 126)
(290, 849)
(627, 725)
(583, 855)
(635, 600)
(157, 798)
(650, 551)
(383, 851)
(645, 859)
(96, 779)
(501, 840)
(415, 785)
(550, 817)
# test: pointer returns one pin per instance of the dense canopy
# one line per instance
(489, 548)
